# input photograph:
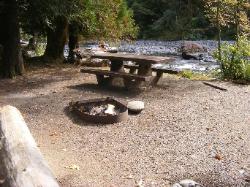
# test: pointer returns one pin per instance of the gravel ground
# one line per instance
(187, 130)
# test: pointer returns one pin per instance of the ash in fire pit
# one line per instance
(105, 111)
(100, 109)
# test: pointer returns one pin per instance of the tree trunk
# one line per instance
(237, 21)
(219, 27)
(33, 42)
(73, 42)
(56, 40)
(12, 64)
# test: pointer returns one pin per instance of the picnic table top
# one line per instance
(132, 57)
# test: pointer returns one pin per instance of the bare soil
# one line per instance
(187, 130)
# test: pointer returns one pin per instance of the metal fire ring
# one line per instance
(107, 119)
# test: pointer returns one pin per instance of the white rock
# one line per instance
(188, 183)
(176, 185)
(140, 183)
(136, 106)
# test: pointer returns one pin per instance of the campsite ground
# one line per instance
(187, 130)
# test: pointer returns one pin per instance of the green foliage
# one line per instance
(235, 60)
(190, 19)
(170, 19)
(230, 14)
(40, 49)
(188, 74)
(93, 18)
(37, 15)
(109, 19)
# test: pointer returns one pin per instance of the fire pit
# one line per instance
(105, 110)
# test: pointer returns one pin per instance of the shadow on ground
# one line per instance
(116, 91)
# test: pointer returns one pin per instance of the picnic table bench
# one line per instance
(138, 73)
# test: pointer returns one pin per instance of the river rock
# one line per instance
(187, 183)
(192, 50)
(136, 106)
(192, 47)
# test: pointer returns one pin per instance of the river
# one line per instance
(168, 48)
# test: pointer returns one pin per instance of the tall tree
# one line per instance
(240, 18)
(103, 20)
(56, 39)
(51, 18)
(91, 18)
(218, 14)
(225, 13)
(12, 63)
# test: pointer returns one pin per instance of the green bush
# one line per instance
(40, 49)
(235, 60)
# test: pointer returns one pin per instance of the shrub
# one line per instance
(40, 49)
(235, 60)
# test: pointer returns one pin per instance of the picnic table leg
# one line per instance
(156, 78)
(102, 81)
(144, 70)
(116, 66)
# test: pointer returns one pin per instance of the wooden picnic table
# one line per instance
(144, 66)
(145, 62)
(132, 57)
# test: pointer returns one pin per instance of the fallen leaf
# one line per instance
(218, 157)
(53, 134)
(73, 167)
(130, 177)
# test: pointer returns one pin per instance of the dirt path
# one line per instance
(184, 126)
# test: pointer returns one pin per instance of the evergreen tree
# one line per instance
(170, 19)
(12, 62)
(90, 18)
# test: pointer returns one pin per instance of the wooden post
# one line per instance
(21, 162)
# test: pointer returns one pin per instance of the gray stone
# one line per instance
(136, 106)
(189, 183)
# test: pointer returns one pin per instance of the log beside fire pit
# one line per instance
(104, 110)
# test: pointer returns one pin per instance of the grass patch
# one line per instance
(200, 76)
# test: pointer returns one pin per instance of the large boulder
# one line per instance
(192, 50)
(192, 47)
